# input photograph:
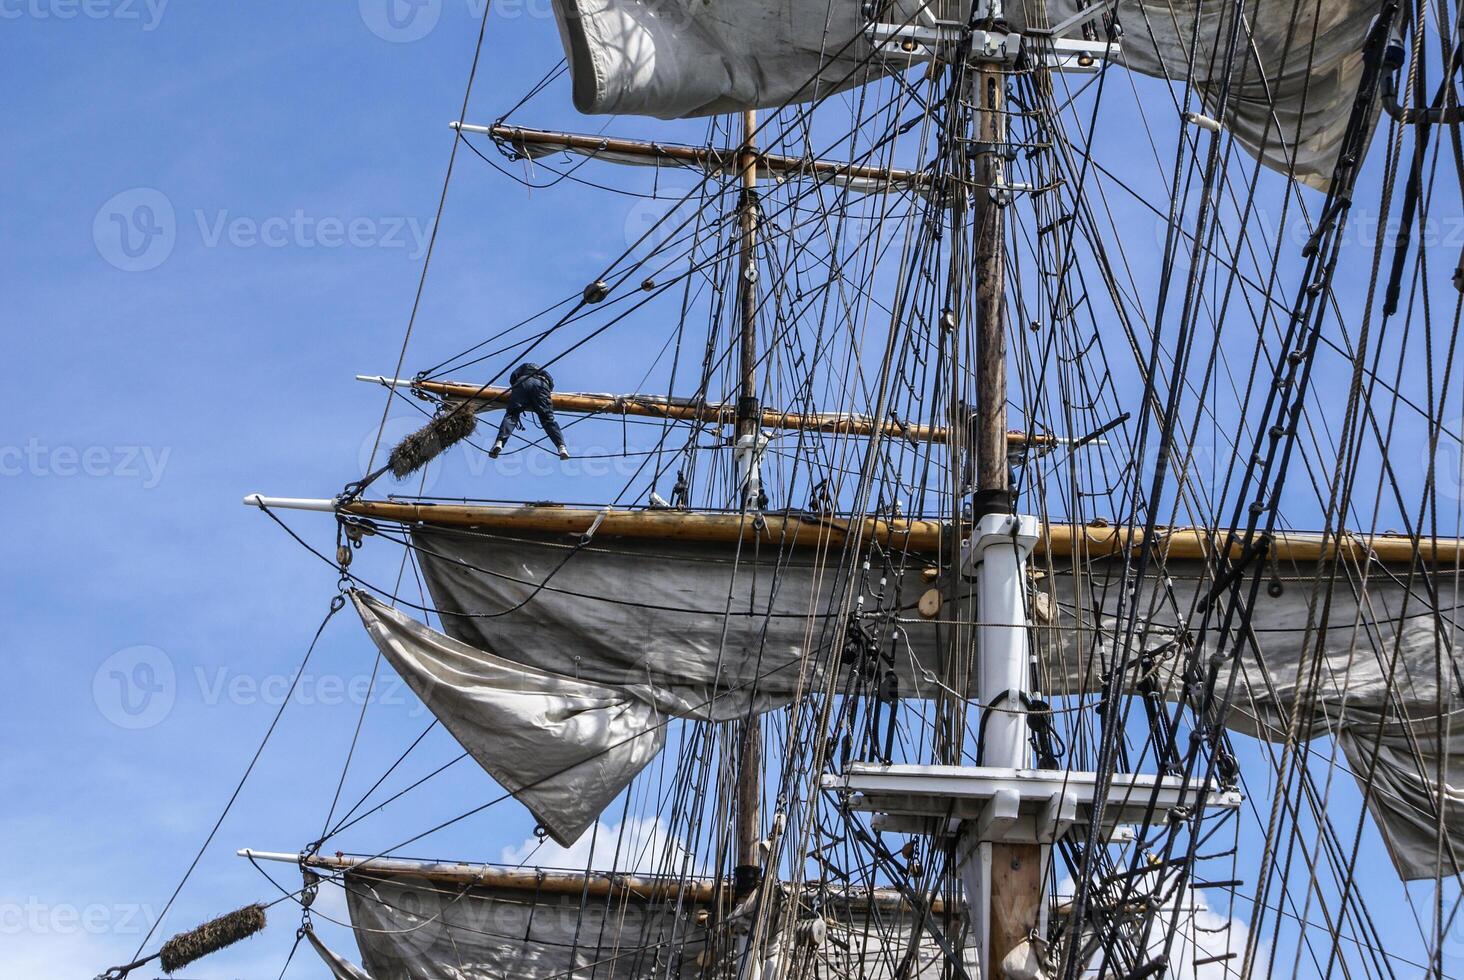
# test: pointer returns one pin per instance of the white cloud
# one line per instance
(1203, 934)
(638, 846)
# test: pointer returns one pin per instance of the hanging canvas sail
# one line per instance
(1293, 76)
(566, 611)
(340, 968)
(565, 748)
(559, 925)
(701, 632)
(415, 927)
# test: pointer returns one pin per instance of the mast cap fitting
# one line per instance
(992, 502)
(745, 879)
(748, 409)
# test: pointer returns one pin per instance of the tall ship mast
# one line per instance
(1024, 566)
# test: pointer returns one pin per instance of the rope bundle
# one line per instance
(212, 936)
(431, 441)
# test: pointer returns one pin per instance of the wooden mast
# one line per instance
(1015, 894)
(749, 432)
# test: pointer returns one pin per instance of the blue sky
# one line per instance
(275, 166)
(154, 399)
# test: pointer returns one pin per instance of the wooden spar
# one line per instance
(990, 261)
(749, 419)
(538, 142)
(916, 535)
(531, 880)
(525, 879)
(689, 410)
(749, 432)
(1013, 896)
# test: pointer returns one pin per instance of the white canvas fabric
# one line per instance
(340, 968)
(410, 928)
(564, 748)
(653, 623)
(700, 632)
(1293, 75)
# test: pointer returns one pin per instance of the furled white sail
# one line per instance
(697, 629)
(651, 627)
(1293, 75)
(411, 927)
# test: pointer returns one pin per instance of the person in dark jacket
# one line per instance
(531, 389)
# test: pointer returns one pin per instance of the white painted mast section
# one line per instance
(997, 550)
